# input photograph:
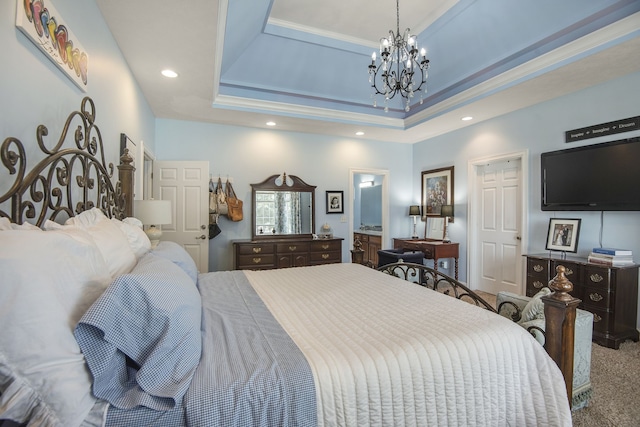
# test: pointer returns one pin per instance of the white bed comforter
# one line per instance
(386, 352)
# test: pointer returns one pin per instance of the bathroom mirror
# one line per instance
(283, 207)
(368, 202)
(434, 228)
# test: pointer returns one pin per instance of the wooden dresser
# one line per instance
(284, 253)
(610, 293)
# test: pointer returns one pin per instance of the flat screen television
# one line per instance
(599, 177)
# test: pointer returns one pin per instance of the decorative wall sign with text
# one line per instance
(43, 25)
(619, 126)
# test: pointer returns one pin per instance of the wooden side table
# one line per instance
(432, 249)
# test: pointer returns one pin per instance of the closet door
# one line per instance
(186, 184)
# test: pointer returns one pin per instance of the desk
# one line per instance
(432, 249)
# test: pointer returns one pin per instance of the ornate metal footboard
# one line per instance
(435, 280)
(559, 309)
(68, 180)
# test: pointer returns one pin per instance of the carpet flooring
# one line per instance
(615, 378)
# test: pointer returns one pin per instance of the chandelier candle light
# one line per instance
(400, 70)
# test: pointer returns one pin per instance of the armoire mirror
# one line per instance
(283, 207)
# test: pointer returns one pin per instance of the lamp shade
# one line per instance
(414, 210)
(152, 212)
(446, 210)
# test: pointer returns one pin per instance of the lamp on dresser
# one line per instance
(414, 211)
(153, 213)
(446, 211)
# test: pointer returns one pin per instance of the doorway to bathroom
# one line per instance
(369, 203)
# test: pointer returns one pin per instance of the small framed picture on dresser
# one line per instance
(335, 202)
(563, 235)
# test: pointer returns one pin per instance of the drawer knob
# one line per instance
(293, 248)
(596, 278)
(257, 260)
(538, 268)
(595, 297)
(325, 247)
(325, 256)
(596, 318)
(538, 285)
(256, 250)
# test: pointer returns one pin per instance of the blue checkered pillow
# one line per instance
(141, 338)
(179, 256)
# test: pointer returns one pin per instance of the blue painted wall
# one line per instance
(34, 91)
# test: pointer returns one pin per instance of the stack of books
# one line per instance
(611, 257)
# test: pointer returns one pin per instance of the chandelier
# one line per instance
(401, 70)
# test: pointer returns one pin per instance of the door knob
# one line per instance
(202, 237)
(203, 227)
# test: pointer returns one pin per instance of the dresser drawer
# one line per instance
(325, 257)
(596, 298)
(534, 284)
(571, 270)
(597, 277)
(292, 247)
(324, 246)
(255, 249)
(256, 261)
(538, 268)
(603, 320)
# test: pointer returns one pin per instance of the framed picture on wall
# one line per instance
(335, 202)
(563, 235)
(437, 190)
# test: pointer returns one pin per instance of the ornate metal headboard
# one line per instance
(68, 180)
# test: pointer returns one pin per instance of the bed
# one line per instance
(98, 329)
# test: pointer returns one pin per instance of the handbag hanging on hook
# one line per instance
(221, 199)
(234, 204)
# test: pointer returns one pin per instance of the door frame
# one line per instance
(385, 201)
(473, 211)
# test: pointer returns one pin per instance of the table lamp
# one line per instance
(153, 213)
(447, 212)
(414, 211)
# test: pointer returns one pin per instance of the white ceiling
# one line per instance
(244, 62)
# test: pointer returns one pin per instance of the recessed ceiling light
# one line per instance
(467, 118)
(169, 73)
(359, 133)
(271, 123)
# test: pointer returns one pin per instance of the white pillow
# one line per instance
(5, 224)
(87, 218)
(137, 238)
(111, 242)
(47, 281)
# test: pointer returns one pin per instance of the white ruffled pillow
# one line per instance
(111, 242)
(5, 224)
(138, 240)
(49, 280)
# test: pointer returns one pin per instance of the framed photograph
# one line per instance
(437, 190)
(563, 235)
(335, 202)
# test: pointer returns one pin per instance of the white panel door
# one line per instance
(186, 184)
(499, 187)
